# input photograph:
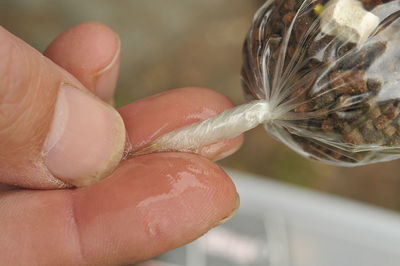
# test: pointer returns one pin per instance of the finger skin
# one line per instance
(27, 101)
(91, 52)
(29, 87)
(150, 118)
(149, 205)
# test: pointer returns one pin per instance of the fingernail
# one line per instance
(233, 213)
(106, 78)
(86, 139)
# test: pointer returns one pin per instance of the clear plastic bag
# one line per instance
(323, 76)
(334, 94)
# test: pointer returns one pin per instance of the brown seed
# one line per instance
(374, 112)
(392, 113)
(390, 131)
(301, 26)
(346, 128)
(290, 51)
(314, 125)
(302, 108)
(394, 141)
(373, 52)
(371, 135)
(368, 132)
(258, 35)
(289, 5)
(374, 85)
(335, 154)
(349, 82)
(288, 18)
(381, 122)
(345, 49)
(353, 60)
(354, 137)
(370, 4)
(298, 92)
(300, 98)
(325, 100)
(367, 126)
(328, 125)
(319, 45)
(322, 113)
(361, 120)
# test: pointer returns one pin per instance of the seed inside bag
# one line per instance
(331, 69)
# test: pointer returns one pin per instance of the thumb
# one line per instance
(53, 132)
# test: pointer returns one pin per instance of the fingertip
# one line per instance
(91, 52)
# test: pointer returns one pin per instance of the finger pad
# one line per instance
(154, 203)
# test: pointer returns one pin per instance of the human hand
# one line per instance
(56, 132)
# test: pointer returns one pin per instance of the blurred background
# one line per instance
(174, 43)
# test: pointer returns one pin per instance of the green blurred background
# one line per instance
(169, 44)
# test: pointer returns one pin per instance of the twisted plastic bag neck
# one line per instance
(226, 125)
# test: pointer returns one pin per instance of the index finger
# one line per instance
(149, 118)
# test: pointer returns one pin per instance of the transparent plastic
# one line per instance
(327, 75)
(334, 98)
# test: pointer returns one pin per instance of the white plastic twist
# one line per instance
(226, 125)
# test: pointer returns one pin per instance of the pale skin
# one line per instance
(148, 205)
